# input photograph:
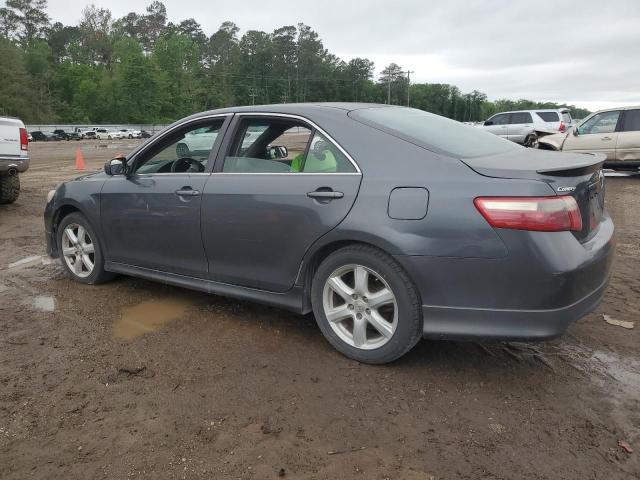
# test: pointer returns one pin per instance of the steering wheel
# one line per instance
(186, 164)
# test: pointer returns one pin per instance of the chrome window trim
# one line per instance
(316, 127)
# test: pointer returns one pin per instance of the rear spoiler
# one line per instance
(592, 162)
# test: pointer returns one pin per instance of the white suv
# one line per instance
(527, 126)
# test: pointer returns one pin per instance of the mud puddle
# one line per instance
(148, 316)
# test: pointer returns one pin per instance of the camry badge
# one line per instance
(566, 189)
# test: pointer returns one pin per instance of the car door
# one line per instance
(498, 124)
(520, 125)
(150, 217)
(628, 144)
(596, 134)
(280, 184)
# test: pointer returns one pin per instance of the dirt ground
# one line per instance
(133, 379)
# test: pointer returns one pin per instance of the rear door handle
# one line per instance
(325, 194)
(604, 139)
(187, 192)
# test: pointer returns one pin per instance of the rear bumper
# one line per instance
(21, 164)
(546, 282)
(493, 324)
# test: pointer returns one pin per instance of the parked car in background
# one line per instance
(67, 135)
(106, 134)
(145, 134)
(14, 157)
(527, 126)
(39, 136)
(131, 133)
(614, 133)
(89, 135)
(437, 243)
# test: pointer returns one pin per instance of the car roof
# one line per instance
(563, 109)
(303, 109)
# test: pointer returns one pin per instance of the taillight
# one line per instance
(563, 127)
(542, 214)
(24, 139)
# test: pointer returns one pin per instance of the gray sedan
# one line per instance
(390, 224)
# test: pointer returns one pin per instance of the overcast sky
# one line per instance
(583, 52)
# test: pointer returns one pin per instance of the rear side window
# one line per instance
(549, 116)
(282, 145)
(433, 132)
(521, 117)
(631, 122)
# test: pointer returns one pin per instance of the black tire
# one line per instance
(98, 275)
(409, 320)
(9, 188)
(531, 141)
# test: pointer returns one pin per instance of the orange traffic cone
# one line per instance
(79, 159)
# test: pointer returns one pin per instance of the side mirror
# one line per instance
(277, 151)
(115, 166)
(488, 122)
(576, 131)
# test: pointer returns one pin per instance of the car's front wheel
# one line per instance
(366, 305)
(80, 250)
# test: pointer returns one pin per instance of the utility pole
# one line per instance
(409, 72)
(253, 94)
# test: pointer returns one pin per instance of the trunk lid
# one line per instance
(576, 174)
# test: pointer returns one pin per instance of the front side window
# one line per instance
(604, 122)
(631, 121)
(520, 117)
(185, 151)
(501, 119)
(282, 145)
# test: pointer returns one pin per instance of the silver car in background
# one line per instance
(527, 126)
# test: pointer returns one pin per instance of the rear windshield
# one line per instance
(549, 116)
(434, 132)
(566, 117)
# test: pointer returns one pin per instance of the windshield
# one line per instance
(433, 132)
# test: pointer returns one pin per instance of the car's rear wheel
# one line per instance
(9, 188)
(80, 250)
(366, 305)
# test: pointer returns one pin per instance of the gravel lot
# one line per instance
(136, 379)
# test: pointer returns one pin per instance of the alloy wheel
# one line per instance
(78, 250)
(360, 306)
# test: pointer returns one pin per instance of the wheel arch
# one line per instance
(317, 255)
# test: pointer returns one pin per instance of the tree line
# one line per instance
(142, 68)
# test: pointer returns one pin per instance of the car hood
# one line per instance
(90, 176)
(556, 140)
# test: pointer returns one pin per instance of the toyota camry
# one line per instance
(389, 224)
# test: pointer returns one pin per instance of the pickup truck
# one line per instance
(14, 157)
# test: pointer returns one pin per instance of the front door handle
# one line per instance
(325, 194)
(187, 192)
(604, 139)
